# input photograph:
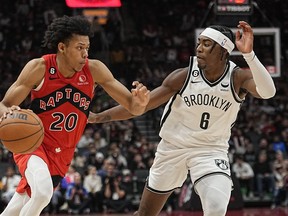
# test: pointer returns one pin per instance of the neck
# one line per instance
(63, 67)
(215, 73)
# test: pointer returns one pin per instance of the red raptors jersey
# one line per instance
(63, 106)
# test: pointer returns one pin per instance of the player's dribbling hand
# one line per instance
(9, 111)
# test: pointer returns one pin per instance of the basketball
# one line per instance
(22, 131)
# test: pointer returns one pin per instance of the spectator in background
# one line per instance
(94, 187)
(85, 140)
(238, 140)
(49, 15)
(265, 146)
(9, 184)
(245, 175)
(250, 154)
(115, 154)
(77, 196)
(103, 171)
(99, 140)
(279, 145)
(280, 171)
(137, 163)
(69, 176)
(265, 183)
(99, 160)
(114, 192)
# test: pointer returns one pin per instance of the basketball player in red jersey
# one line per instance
(61, 87)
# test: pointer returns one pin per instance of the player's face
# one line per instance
(208, 52)
(76, 52)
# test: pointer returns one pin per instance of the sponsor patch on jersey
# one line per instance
(222, 164)
(82, 80)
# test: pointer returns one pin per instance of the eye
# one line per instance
(80, 48)
(207, 44)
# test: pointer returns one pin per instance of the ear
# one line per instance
(61, 47)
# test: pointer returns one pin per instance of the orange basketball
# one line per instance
(22, 131)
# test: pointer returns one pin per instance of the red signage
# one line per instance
(93, 3)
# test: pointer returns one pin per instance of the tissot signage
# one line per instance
(230, 7)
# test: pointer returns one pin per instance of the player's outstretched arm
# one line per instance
(261, 85)
(134, 101)
(160, 95)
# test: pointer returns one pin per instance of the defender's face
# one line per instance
(208, 52)
(76, 52)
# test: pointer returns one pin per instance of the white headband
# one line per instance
(220, 38)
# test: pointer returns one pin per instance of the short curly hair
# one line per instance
(62, 29)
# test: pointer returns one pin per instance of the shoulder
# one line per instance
(94, 63)
(37, 63)
(99, 71)
(176, 78)
(97, 66)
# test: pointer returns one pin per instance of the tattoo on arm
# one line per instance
(105, 118)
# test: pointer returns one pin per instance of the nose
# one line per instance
(199, 47)
(85, 53)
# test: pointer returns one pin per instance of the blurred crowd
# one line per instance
(146, 40)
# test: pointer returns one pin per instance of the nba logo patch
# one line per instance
(223, 42)
(222, 164)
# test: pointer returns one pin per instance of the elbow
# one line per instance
(268, 93)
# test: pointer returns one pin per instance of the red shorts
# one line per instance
(57, 163)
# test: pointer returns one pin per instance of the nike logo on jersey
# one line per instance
(196, 81)
(52, 78)
(224, 85)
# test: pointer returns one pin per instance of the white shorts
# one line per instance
(171, 166)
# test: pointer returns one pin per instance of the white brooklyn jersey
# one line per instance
(202, 113)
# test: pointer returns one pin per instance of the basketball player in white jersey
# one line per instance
(203, 102)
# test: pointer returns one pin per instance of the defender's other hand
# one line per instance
(244, 39)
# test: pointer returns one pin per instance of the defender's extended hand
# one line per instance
(244, 40)
(141, 95)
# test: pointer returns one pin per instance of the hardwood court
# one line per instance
(281, 211)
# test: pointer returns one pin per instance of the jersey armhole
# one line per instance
(235, 95)
(191, 62)
(40, 85)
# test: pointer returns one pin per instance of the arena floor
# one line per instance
(280, 211)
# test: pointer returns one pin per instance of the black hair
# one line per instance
(62, 29)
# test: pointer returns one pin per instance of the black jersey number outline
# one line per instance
(204, 120)
(69, 121)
